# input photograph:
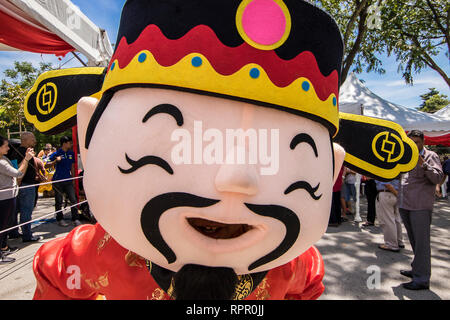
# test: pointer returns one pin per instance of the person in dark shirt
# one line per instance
(26, 198)
(64, 160)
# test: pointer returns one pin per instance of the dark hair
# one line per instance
(416, 133)
(65, 139)
(2, 140)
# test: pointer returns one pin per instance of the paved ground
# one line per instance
(352, 260)
(352, 257)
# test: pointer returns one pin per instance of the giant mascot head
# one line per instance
(211, 142)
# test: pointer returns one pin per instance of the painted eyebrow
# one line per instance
(306, 186)
(304, 137)
(170, 109)
(135, 165)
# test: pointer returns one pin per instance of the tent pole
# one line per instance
(358, 203)
(79, 59)
(358, 188)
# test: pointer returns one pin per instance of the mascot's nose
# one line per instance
(237, 176)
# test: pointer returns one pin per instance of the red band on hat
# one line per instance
(227, 60)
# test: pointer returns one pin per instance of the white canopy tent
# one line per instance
(443, 113)
(356, 98)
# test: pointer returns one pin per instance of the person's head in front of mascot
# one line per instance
(210, 65)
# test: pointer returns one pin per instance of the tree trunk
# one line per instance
(362, 28)
(435, 67)
(444, 30)
(430, 62)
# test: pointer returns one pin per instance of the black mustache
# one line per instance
(153, 211)
(155, 208)
(290, 221)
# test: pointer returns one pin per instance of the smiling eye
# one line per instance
(306, 186)
(144, 161)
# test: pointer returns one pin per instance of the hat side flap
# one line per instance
(51, 104)
(375, 147)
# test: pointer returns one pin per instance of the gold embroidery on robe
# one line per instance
(244, 287)
(133, 260)
(148, 263)
(158, 294)
(263, 292)
(102, 281)
(103, 242)
(170, 290)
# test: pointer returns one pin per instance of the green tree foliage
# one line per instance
(13, 90)
(433, 101)
(362, 41)
(43, 139)
(14, 87)
(417, 31)
(11, 101)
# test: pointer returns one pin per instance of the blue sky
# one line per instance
(391, 86)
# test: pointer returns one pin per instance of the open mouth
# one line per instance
(217, 230)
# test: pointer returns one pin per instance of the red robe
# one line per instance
(89, 264)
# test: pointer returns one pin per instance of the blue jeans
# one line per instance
(68, 188)
(350, 192)
(25, 206)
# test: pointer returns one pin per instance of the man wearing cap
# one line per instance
(416, 207)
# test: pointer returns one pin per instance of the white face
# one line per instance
(228, 215)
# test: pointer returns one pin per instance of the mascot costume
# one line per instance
(182, 212)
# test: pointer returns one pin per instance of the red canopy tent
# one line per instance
(26, 34)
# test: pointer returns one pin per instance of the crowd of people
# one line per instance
(406, 201)
(21, 171)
